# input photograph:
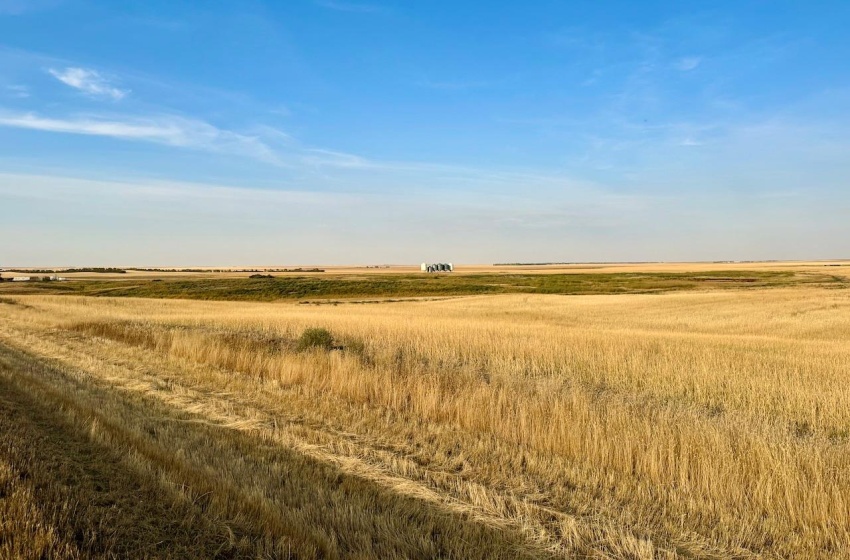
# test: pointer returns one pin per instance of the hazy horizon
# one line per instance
(365, 133)
(248, 267)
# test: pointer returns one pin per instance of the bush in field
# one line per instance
(357, 347)
(316, 338)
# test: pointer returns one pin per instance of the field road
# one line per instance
(98, 465)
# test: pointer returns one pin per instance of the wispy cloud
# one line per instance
(47, 187)
(89, 82)
(331, 158)
(167, 130)
(281, 111)
(690, 142)
(688, 63)
(261, 142)
(348, 6)
(18, 91)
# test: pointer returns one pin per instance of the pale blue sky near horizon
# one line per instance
(188, 133)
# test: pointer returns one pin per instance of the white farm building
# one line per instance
(436, 267)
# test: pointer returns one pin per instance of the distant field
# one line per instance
(285, 286)
(700, 414)
(835, 266)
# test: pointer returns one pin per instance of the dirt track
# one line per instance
(104, 466)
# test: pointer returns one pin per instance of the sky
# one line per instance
(212, 133)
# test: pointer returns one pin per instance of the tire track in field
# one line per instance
(75, 394)
(82, 493)
(546, 528)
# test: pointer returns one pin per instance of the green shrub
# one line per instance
(316, 338)
(355, 347)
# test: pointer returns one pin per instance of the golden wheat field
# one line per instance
(710, 424)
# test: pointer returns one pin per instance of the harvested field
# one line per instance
(312, 287)
(693, 424)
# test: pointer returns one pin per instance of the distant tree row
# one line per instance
(95, 269)
(258, 270)
(256, 276)
(182, 270)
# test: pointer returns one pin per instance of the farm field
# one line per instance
(132, 273)
(676, 414)
(323, 288)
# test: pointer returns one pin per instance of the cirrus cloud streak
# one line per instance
(89, 82)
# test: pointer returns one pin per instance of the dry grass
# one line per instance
(66, 490)
(692, 424)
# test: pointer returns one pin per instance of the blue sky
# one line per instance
(347, 132)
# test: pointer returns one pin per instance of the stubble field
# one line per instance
(697, 424)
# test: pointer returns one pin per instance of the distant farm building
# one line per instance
(51, 278)
(436, 267)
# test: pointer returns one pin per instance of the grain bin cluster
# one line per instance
(52, 278)
(437, 267)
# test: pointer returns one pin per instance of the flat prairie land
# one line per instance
(323, 288)
(130, 273)
(704, 415)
